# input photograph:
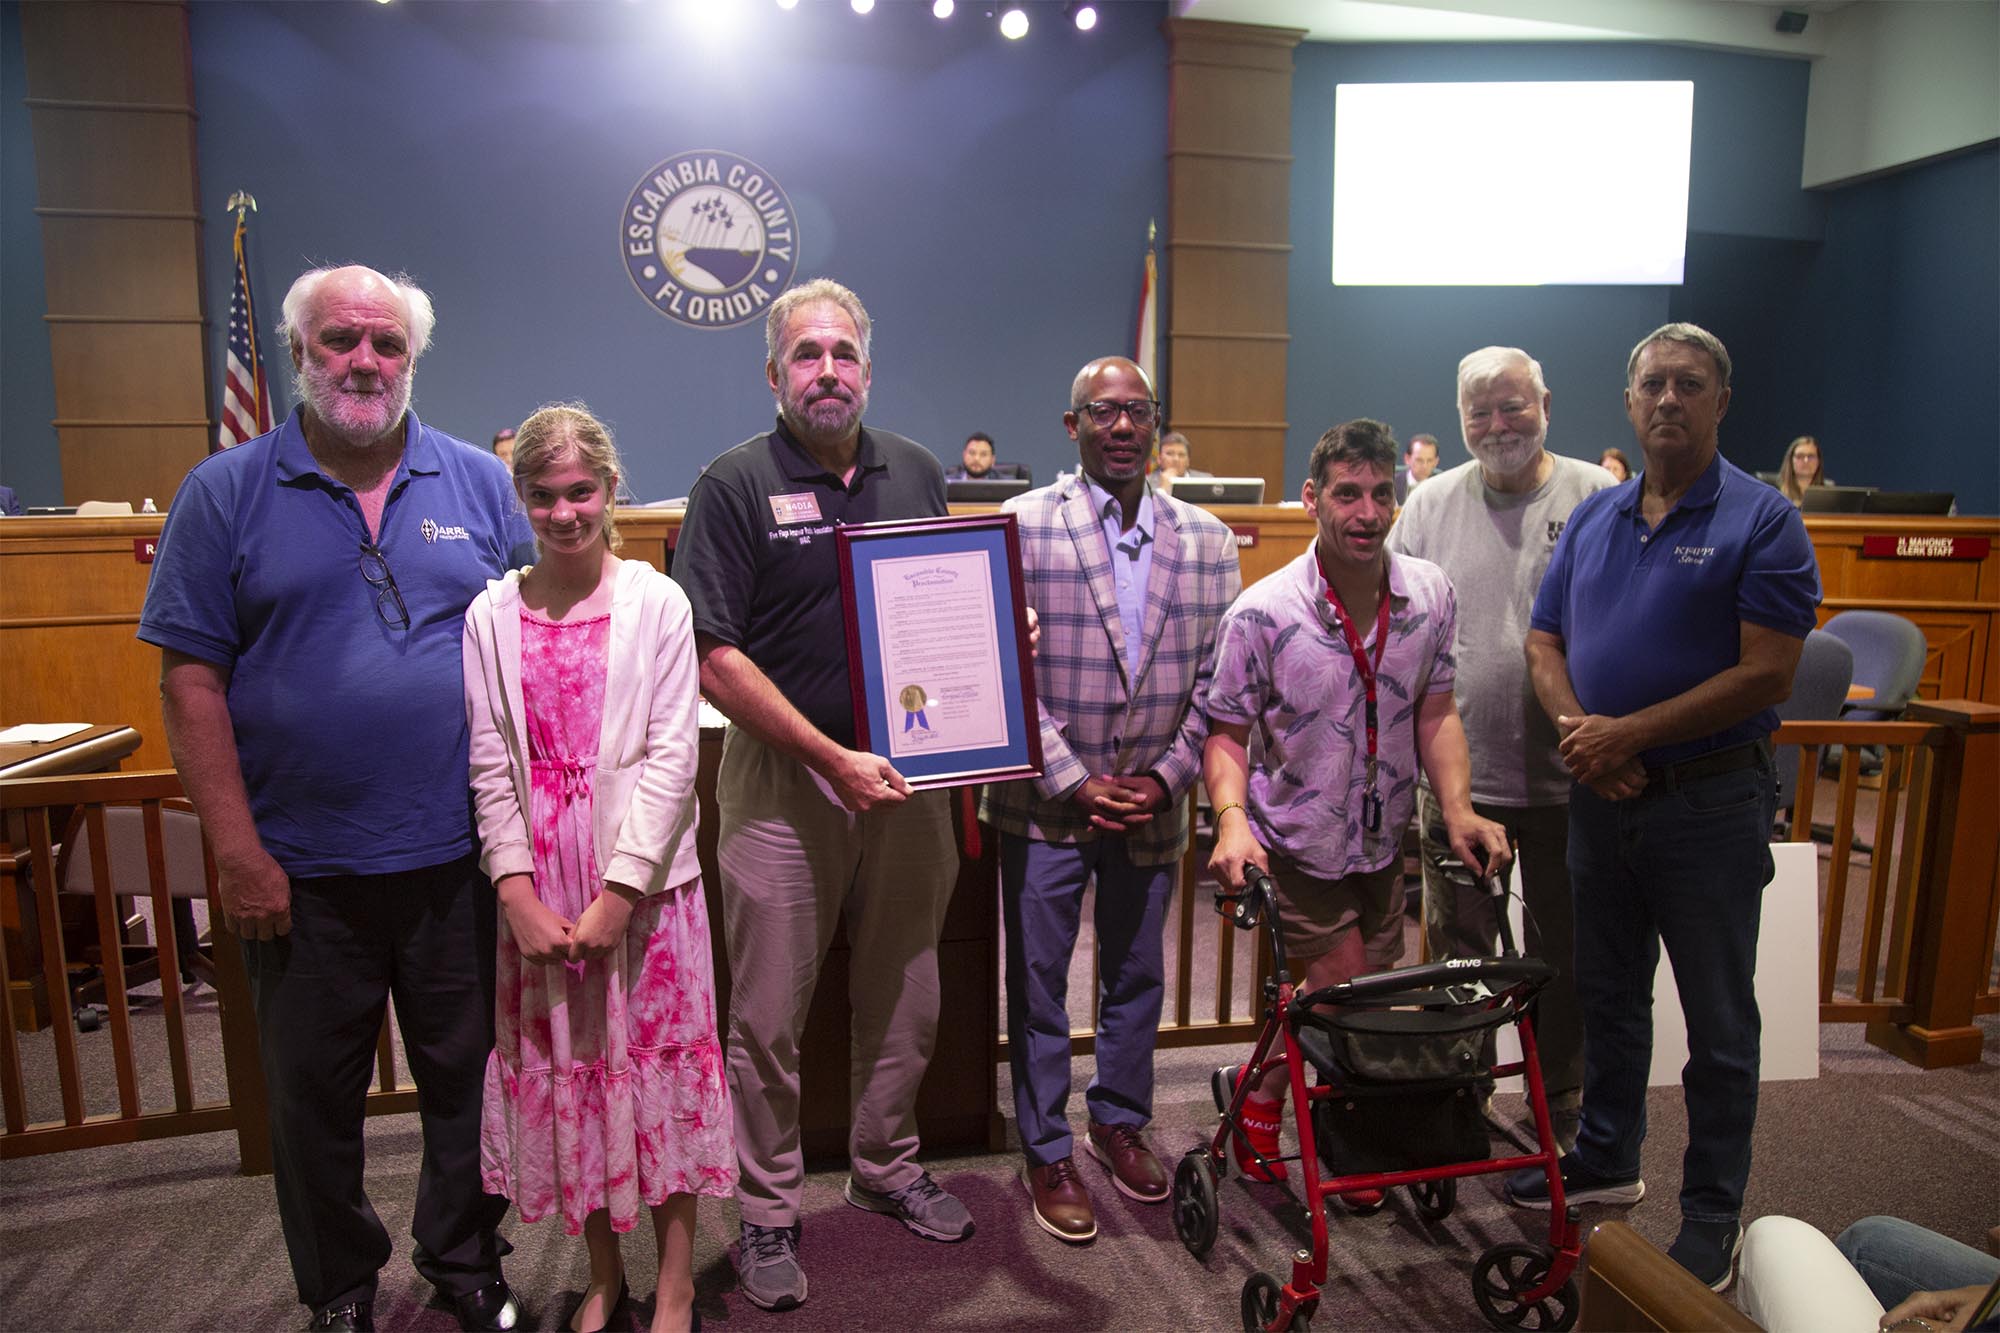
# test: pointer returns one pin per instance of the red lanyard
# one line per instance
(1362, 666)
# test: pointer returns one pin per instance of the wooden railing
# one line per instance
(1910, 951)
(1921, 954)
(147, 1104)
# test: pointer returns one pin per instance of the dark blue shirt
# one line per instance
(351, 731)
(756, 556)
(1648, 615)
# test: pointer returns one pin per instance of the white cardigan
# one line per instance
(644, 822)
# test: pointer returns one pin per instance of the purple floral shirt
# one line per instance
(1283, 669)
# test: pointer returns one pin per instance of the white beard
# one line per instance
(1507, 456)
(357, 419)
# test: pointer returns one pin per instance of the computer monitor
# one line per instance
(1216, 490)
(1908, 502)
(1834, 499)
(984, 490)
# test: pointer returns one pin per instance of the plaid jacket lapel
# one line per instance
(1094, 563)
(1159, 587)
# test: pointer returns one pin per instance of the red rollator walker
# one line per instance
(1387, 1085)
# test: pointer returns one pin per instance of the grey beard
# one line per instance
(1507, 459)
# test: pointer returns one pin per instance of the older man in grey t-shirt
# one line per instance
(1492, 525)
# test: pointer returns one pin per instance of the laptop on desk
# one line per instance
(1215, 490)
(984, 490)
(1907, 502)
(1834, 499)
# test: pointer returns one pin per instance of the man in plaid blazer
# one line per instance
(1129, 584)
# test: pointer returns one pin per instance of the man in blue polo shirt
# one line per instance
(1666, 630)
(309, 600)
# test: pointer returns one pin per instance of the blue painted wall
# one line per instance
(1906, 392)
(988, 199)
(29, 460)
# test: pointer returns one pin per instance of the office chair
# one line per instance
(125, 860)
(1888, 657)
(1819, 692)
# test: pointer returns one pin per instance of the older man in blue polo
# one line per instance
(308, 603)
(1665, 632)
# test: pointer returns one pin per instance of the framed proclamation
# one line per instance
(937, 648)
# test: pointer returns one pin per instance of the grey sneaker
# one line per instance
(768, 1267)
(921, 1205)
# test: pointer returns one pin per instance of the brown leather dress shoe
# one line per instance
(1134, 1170)
(1062, 1205)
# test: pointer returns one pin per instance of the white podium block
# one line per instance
(1787, 980)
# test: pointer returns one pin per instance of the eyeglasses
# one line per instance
(388, 598)
(1145, 412)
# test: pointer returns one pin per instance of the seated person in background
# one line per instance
(1324, 810)
(1882, 1272)
(1420, 460)
(1175, 457)
(1614, 462)
(1801, 468)
(10, 503)
(503, 445)
(976, 462)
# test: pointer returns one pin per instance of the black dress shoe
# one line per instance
(354, 1314)
(489, 1307)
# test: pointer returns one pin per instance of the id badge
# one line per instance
(1371, 811)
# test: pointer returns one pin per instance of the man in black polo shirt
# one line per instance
(810, 825)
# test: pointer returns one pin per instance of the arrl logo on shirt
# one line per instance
(1693, 555)
(434, 532)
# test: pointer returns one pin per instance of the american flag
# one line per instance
(246, 397)
(1148, 352)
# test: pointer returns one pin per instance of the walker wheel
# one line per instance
(1264, 1307)
(1196, 1214)
(1506, 1271)
(1435, 1199)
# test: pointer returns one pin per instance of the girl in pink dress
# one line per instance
(605, 1087)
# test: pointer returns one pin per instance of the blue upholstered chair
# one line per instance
(1819, 692)
(1888, 657)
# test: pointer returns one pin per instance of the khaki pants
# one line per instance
(789, 860)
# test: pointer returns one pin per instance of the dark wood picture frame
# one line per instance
(858, 546)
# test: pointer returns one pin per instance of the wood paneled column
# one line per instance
(1229, 174)
(111, 105)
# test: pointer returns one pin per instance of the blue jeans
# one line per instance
(1684, 865)
(1041, 892)
(1896, 1258)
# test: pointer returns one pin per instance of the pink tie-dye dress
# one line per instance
(605, 1088)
